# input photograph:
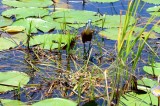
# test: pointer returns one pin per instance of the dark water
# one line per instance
(14, 60)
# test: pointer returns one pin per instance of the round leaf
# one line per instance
(12, 79)
(25, 12)
(152, 70)
(5, 21)
(8, 102)
(27, 3)
(55, 102)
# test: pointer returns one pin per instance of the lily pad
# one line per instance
(147, 82)
(51, 41)
(7, 43)
(108, 1)
(27, 3)
(156, 28)
(152, 1)
(9, 102)
(152, 70)
(154, 10)
(13, 29)
(112, 33)
(75, 16)
(25, 12)
(112, 21)
(133, 99)
(5, 21)
(36, 23)
(12, 79)
(55, 102)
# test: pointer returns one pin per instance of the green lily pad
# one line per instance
(156, 28)
(51, 41)
(152, 1)
(7, 43)
(149, 69)
(147, 82)
(55, 102)
(114, 21)
(108, 1)
(112, 33)
(75, 16)
(25, 12)
(36, 23)
(154, 10)
(133, 99)
(5, 21)
(13, 29)
(27, 3)
(11, 80)
(9, 102)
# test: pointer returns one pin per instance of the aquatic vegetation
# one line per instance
(108, 1)
(153, 70)
(49, 42)
(12, 80)
(25, 12)
(27, 3)
(5, 21)
(48, 102)
(13, 29)
(152, 1)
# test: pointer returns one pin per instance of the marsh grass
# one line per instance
(125, 48)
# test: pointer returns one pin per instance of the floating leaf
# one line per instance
(12, 79)
(114, 21)
(75, 16)
(50, 41)
(147, 82)
(25, 12)
(55, 102)
(154, 10)
(8, 102)
(112, 33)
(13, 29)
(5, 21)
(27, 3)
(152, 1)
(36, 23)
(7, 43)
(152, 70)
(133, 99)
(108, 1)
(156, 28)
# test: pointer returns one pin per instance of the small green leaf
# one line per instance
(55, 102)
